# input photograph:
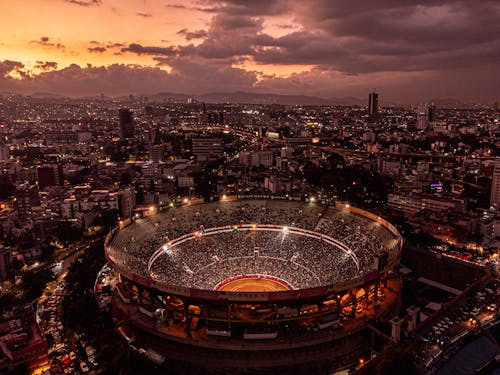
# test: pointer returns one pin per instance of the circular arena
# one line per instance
(264, 274)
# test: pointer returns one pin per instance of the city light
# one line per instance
(223, 176)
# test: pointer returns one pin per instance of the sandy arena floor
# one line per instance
(253, 285)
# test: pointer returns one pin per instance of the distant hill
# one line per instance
(450, 103)
(253, 98)
(46, 95)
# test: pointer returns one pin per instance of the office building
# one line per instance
(495, 187)
(5, 259)
(373, 106)
(126, 124)
(425, 115)
(50, 175)
(126, 201)
(204, 148)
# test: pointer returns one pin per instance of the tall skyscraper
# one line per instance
(495, 187)
(432, 113)
(126, 202)
(4, 152)
(5, 259)
(126, 124)
(206, 147)
(423, 117)
(425, 114)
(373, 106)
(50, 175)
(27, 197)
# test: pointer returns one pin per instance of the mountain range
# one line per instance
(254, 98)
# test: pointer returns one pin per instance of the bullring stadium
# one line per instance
(255, 285)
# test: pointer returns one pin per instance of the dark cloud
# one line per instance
(114, 45)
(229, 36)
(46, 42)
(350, 37)
(46, 65)
(176, 6)
(94, 42)
(84, 3)
(246, 8)
(96, 49)
(200, 9)
(145, 15)
(9, 66)
(117, 79)
(189, 35)
(432, 48)
(149, 50)
(195, 75)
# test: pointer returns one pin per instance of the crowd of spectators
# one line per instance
(205, 261)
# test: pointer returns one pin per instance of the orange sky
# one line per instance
(410, 49)
(113, 21)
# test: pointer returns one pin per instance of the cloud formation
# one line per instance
(410, 49)
(45, 41)
(97, 49)
(189, 35)
(84, 3)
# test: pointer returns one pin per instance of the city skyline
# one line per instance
(408, 51)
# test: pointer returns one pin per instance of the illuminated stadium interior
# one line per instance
(290, 273)
(304, 244)
(299, 258)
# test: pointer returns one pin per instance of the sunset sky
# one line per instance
(408, 50)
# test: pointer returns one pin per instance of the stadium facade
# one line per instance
(257, 286)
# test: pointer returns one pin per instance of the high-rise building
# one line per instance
(50, 175)
(373, 106)
(204, 148)
(126, 201)
(27, 197)
(4, 152)
(5, 259)
(425, 114)
(432, 113)
(257, 158)
(126, 123)
(495, 187)
(423, 117)
(156, 153)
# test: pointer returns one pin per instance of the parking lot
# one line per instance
(476, 313)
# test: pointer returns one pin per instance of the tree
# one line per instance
(33, 282)
(69, 233)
